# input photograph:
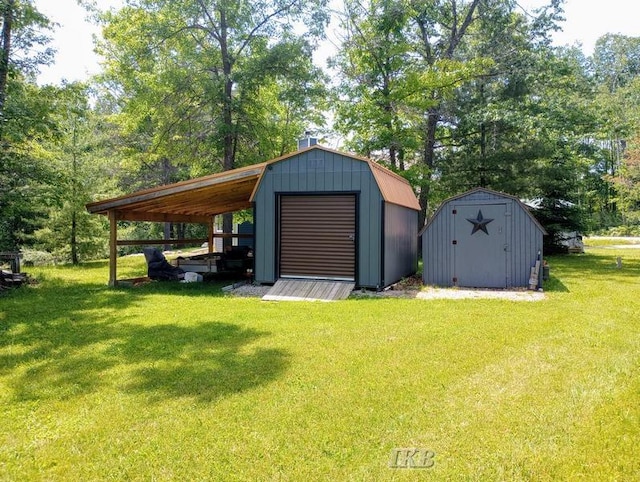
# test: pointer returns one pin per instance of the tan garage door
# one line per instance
(317, 236)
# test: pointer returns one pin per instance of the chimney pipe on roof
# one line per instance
(307, 141)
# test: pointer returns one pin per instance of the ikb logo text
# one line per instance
(412, 458)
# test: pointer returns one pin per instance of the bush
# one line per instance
(32, 257)
(629, 230)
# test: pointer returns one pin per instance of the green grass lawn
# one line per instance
(172, 381)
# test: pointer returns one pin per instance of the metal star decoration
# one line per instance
(479, 223)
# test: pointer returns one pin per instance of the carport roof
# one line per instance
(198, 200)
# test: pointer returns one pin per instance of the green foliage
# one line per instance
(616, 61)
(627, 185)
(24, 177)
(621, 231)
(74, 155)
(391, 79)
(24, 119)
(616, 66)
(211, 85)
(32, 257)
(471, 91)
(28, 44)
(452, 95)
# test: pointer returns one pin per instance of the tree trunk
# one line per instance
(228, 161)
(5, 49)
(456, 30)
(74, 240)
(74, 186)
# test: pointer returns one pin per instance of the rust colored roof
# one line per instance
(394, 188)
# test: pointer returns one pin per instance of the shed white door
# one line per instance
(480, 245)
(318, 236)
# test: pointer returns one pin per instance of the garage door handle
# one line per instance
(352, 237)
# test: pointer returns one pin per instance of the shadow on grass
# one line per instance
(590, 266)
(208, 361)
(554, 285)
(62, 340)
(593, 266)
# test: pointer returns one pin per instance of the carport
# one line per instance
(194, 201)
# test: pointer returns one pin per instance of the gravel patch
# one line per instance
(249, 290)
(458, 293)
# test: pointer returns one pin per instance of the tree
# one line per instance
(24, 118)
(7, 12)
(204, 83)
(75, 155)
(521, 128)
(415, 74)
(616, 68)
(627, 183)
(374, 62)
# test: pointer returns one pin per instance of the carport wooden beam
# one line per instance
(114, 216)
(113, 248)
(194, 201)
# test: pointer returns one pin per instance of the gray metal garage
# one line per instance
(481, 238)
(324, 214)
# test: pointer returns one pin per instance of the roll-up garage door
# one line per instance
(317, 236)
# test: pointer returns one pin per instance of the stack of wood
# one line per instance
(535, 274)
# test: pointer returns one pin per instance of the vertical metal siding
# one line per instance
(527, 241)
(437, 255)
(314, 172)
(524, 239)
(480, 258)
(400, 242)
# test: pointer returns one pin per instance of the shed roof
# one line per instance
(197, 200)
(395, 189)
(487, 191)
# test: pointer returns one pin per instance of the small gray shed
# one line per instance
(324, 214)
(482, 238)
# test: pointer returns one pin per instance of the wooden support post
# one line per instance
(113, 248)
(212, 225)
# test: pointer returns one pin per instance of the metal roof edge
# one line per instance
(486, 190)
(407, 199)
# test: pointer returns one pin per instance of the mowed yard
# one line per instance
(182, 382)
